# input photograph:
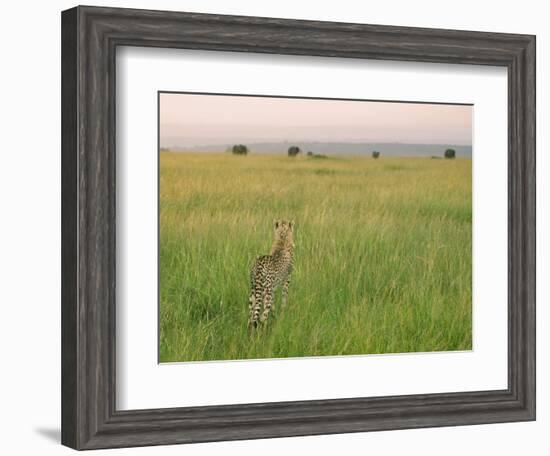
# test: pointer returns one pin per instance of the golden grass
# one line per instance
(382, 260)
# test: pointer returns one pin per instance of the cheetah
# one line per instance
(271, 272)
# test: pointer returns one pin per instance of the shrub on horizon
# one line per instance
(293, 151)
(239, 149)
(450, 153)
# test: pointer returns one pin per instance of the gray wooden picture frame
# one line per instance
(90, 36)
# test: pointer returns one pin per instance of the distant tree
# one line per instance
(375, 154)
(239, 149)
(319, 156)
(450, 153)
(293, 151)
(309, 153)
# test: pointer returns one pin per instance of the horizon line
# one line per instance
(226, 144)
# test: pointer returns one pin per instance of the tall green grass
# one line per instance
(383, 260)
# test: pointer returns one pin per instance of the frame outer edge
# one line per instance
(70, 422)
(522, 225)
(530, 219)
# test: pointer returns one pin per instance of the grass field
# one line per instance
(383, 260)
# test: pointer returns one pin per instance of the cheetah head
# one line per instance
(284, 230)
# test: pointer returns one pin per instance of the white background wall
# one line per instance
(30, 228)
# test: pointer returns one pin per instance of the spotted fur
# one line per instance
(271, 272)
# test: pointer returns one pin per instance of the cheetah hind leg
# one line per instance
(285, 286)
(255, 301)
(268, 303)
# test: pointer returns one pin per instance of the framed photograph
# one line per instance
(280, 228)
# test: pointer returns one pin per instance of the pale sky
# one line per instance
(194, 120)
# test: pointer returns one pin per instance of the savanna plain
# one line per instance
(382, 259)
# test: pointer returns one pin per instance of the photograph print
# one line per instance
(304, 227)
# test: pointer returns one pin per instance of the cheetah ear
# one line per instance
(276, 223)
(291, 224)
